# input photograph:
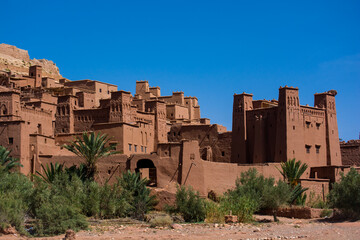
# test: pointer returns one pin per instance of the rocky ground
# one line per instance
(263, 228)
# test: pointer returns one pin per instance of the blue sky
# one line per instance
(208, 49)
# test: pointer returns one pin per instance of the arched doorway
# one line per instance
(147, 169)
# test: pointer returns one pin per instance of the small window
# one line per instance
(108, 92)
(11, 140)
(307, 148)
(223, 153)
(308, 124)
(135, 148)
(293, 127)
(142, 149)
(130, 147)
(317, 148)
(145, 149)
(317, 126)
(100, 90)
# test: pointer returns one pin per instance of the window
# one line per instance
(100, 90)
(11, 140)
(130, 147)
(317, 126)
(307, 148)
(145, 149)
(142, 149)
(135, 148)
(317, 148)
(222, 153)
(308, 124)
(108, 92)
(293, 127)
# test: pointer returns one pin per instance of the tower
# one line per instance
(327, 101)
(36, 73)
(159, 108)
(242, 103)
(289, 130)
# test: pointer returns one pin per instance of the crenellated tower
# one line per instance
(242, 103)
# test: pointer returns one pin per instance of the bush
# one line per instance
(58, 206)
(345, 194)
(15, 192)
(214, 213)
(189, 204)
(254, 192)
(316, 201)
(161, 221)
(57, 215)
(241, 206)
(137, 194)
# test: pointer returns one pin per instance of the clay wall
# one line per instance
(110, 168)
(86, 99)
(261, 131)
(318, 187)
(350, 153)
(50, 83)
(314, 126)
(176, 112)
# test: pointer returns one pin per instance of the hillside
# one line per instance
(18, 61)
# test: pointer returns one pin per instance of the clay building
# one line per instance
(164, 137)
(274, 131)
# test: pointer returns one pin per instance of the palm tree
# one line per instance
(6, 162)
(51, 172)
(91, 147)
(292, 171)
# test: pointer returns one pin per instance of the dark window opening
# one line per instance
(307, 148)
(130, 147)
(308, 124)
(11, 140)
(100, 90)
(317, 148)
(222, 153)
(293, 127)
(318, 126)
(135, 148)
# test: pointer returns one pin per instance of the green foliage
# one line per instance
(316, 201)
(161, 221)
(298, 195)
(214, 212)
(138, 194)
(57, 215)
(15, 191)
(51, 172)
(189, 204)
(241, 206)
(58, 206)
(292, 171)
(6, 162)
(345, 194)
(91, 147)
(258, 192)
(326, 213)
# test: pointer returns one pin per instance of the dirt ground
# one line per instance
(263, 228)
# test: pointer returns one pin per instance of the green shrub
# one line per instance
(15, 192)
(57, 207)
(345, 194)
(161, 221)
(214, 212)
(254, 192)
(326, 213)
(316, 201)
(189, 204)
(241, 206)
(57, 215)
(137, 194)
